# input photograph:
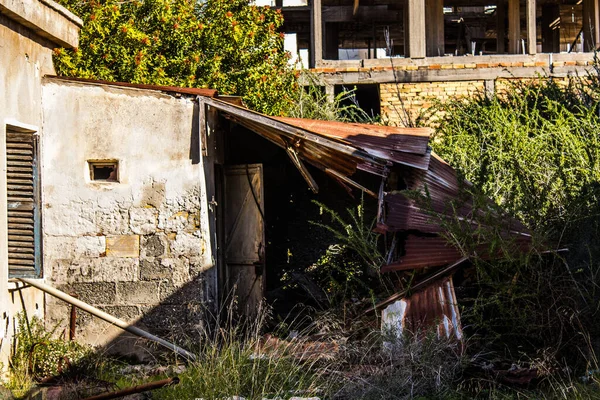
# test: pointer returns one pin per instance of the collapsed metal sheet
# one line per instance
(405, 146)
(341, 149)
(435, 306)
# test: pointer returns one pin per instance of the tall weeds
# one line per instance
(312, 102)
(534, 149)
(235, 360)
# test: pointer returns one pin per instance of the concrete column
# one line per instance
(591, 28)
(435, 27)
(490, 88)
(330, 93)
(416, 29)
(405, 28)
(531, 27)
(514, 27)
(550, 28)
(316, 34)
(500, 26)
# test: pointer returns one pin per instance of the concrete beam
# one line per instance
(415, 29)
(46, 18)
(380, 13)
(484, 74)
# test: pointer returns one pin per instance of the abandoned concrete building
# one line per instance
(154, 203)
(402, 55)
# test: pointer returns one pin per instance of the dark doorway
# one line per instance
(364, 96)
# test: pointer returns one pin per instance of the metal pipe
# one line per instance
(73, 320)
(106, 317)
(135, 389)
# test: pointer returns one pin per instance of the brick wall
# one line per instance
(403, 101)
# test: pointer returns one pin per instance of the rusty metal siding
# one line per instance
(167, 89)
(24, 255)
(405, 146)
(435, 306)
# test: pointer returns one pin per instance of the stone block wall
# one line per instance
(133, 260)
(136, 248)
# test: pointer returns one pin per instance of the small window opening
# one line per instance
(104, 171)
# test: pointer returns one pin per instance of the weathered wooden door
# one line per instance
(244, 235)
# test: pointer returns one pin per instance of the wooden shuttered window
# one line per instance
(23, 205)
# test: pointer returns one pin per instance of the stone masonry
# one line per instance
(134, 248)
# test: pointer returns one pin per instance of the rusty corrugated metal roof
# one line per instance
(340, 149)
(406, 146)
(337, 157)
(166, 89)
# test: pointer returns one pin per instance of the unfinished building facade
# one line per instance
(399, 55)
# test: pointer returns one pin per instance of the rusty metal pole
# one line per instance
(106, 317)
(73, 320)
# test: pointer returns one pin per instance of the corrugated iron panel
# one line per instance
(421, 252)
(407, 140)
(169, 89)
(325, 153)
(434, 306)
(407, 146)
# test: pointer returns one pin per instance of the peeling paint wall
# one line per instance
(25, 57)
(137, 248)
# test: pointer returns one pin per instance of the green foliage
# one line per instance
(350, 269)
(312, 102)
(341, 274)
(220, 44)
(534, 151)
(36, 355)
(233, 360)
(356, 234)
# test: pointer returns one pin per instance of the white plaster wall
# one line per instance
(24, 58)
(156, 206)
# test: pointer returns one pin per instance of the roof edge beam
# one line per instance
(302, 168)
(296, 133)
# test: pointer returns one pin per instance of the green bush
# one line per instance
(229, 45)
(534, 150)
(37, 354)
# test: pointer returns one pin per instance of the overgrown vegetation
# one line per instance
(311, 101)
(236, 359)
(534, 150)
(38, 354)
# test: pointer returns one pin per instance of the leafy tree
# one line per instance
(227, 45)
